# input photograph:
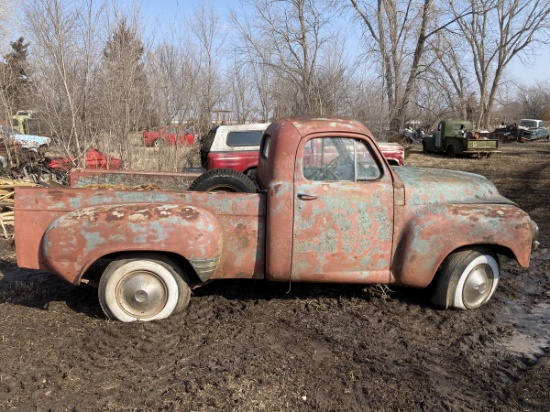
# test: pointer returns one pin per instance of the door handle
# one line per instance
(304, 196)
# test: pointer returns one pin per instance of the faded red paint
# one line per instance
(397, 227)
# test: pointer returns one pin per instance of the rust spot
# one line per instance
(190, 213)
(57, 195)
(242, 234)
(114, 215)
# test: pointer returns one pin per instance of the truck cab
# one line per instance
(331, 180)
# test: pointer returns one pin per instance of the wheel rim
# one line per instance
(142, 294)
(478, 286)
(224, 188)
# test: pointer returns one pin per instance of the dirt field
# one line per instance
(252, 346)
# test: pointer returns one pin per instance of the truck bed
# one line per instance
(67, 230)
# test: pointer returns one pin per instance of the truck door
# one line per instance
(343, 212)
(437, 135)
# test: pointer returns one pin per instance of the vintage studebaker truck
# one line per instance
(327, 208)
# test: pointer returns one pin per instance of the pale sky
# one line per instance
(537, 68)
(158, 12)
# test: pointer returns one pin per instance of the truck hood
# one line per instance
(442, 186)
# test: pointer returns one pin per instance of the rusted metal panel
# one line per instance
(425, 186)
(345, 234)
(77, 239)
(132, 178)
(81, 225)
(426, 234)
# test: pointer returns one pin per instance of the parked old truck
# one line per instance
(326, 207)
(236, 147)
(456, 138)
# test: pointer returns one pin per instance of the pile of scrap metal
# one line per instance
(524, 131)
(413, 136)
(23, 157)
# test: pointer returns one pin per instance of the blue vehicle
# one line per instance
(28, 141)
(533, 129)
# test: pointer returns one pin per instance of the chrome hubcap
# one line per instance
(142, 294)
(477, 286)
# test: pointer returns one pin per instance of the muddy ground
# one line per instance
(252, 346)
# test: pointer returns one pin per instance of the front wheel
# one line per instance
(143, 287)
(467, 280)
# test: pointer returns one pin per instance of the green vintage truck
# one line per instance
(456, 138)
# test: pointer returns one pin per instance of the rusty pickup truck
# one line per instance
(327, 208)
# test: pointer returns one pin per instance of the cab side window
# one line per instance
(339, 159)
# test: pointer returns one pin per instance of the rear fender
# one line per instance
(72, 243)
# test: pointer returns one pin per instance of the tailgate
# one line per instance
(482, 144)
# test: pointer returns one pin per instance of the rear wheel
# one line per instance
(451, 152)
(467, 279)
(143, 287)
(223, 180)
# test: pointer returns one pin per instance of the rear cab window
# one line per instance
(244, 138)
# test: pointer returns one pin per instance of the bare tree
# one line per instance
(65, 56)
(173, 76)
(209, 89)
(398, 32)
(534, 101)
(252, 60)
(289, 37)
(124, 90)
(332, 80)
(448, 75)
(243, 96)
(509, 28)
(6, 9)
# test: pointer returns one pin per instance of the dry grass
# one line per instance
(161, 159)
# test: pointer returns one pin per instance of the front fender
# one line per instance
(76, 240)
(429, 233)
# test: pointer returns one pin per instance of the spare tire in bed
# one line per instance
(223, 180)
